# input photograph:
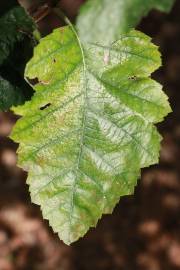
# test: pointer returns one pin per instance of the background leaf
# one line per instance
(9, 94)
(89, 127)
(14, 25)
(16, 46)
(103, 20)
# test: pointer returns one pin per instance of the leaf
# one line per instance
(89, 127)
(9, 95)
(15, 47)
(103, 20)
(14, 25)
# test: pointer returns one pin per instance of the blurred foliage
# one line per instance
(16, 45)
(9, 94)
(115, 16)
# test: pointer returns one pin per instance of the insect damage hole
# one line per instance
(33, 81)
(132, 78)
(45, 106)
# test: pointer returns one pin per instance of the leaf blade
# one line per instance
(77, 149)
(116, 16)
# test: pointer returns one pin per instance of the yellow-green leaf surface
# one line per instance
(116, 16)
(89, 127)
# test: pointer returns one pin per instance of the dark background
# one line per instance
(143, 232)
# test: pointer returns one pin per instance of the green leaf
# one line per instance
(15, 49)
(9, 95)
(14, 26)
(89, 127)
(103, 20)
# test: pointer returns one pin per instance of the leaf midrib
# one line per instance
(83, 130)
